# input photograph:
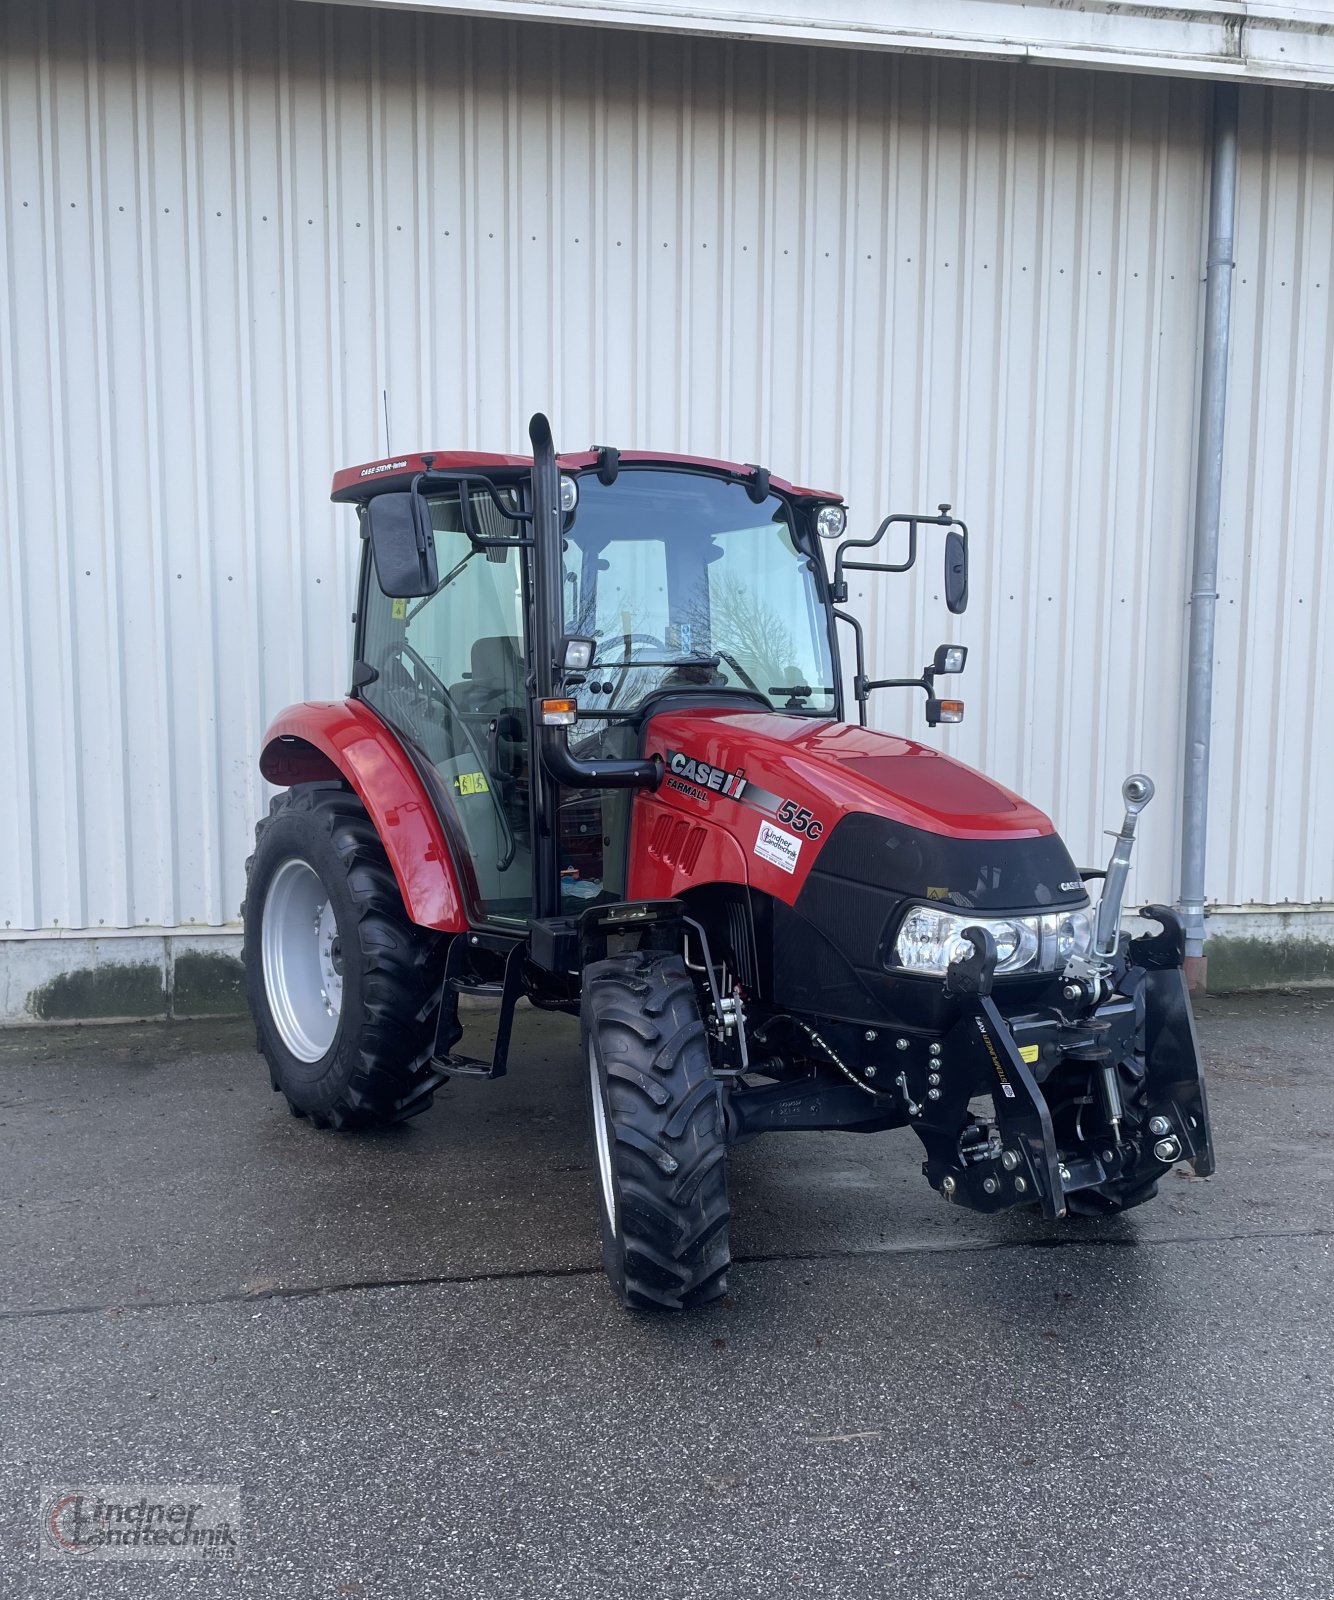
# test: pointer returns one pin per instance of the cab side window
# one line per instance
(450, 675)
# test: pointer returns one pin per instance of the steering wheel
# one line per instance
(429, 686)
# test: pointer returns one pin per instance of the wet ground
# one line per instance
(401, 1347)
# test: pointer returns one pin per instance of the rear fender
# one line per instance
(322, 741)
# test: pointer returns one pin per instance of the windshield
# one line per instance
(685, 583)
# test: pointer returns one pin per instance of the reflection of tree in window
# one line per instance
(708, 588)
(754, 631)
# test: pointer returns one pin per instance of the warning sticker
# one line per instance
(782, 849)
(1029, 1053)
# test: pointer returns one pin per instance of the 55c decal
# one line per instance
(800, 818)
(696, 778)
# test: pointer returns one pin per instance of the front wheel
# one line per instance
(658, 1133)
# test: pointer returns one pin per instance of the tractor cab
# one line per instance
(681, 582)
(676, 580)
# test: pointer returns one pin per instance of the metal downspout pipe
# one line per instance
(1208, 503)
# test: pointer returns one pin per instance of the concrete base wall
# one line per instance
(1269, 947)
(172, 973)
(136, 976)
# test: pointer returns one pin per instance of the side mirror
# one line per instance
(403, 545)
(956, 572)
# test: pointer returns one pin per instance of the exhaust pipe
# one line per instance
(548, 572)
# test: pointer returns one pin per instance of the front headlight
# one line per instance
(929, 940)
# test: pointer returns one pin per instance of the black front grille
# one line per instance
(991, 875)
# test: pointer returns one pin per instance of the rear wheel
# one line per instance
(658, 1133)
(342, 986)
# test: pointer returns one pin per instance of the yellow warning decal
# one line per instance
(471, 783)
(1029, 1053)
(399, 610)
(937, 894)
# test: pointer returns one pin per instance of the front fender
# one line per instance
(320, 740)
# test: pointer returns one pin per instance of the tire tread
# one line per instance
(402, 965)
(667, 1132)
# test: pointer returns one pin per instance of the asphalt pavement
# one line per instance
(401, 1348)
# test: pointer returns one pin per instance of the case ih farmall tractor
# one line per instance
(595, 756)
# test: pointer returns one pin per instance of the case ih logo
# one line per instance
(691, 776)
(731, 784)
(383, 466)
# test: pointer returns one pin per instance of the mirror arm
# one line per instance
(419, 516)
(914, 520)
(467, 484)
(860, 691)
(901, 683)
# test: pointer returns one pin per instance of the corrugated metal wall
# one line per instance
(226, 229)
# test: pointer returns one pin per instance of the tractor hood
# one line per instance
(844, 829)
(762, 761)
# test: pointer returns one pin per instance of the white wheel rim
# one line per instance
(302, 958)
(601, 1136)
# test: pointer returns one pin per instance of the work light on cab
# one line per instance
(831, 522)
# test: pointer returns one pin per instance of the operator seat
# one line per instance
(496, 681)
(491, 699)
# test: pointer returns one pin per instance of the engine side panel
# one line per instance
(360, 748)
(672, 851)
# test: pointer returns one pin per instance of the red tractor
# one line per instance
(596, 754)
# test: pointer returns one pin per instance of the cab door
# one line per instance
(450, 676)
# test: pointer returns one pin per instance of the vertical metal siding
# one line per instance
(1273, 784)
(228, 229)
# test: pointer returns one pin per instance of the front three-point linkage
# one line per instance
(984, 1166)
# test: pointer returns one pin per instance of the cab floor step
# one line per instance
(479, 989)
(462, 980)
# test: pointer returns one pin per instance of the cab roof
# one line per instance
(397, 472)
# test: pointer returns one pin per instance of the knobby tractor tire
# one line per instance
(658, 1133)
(377, 1067)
